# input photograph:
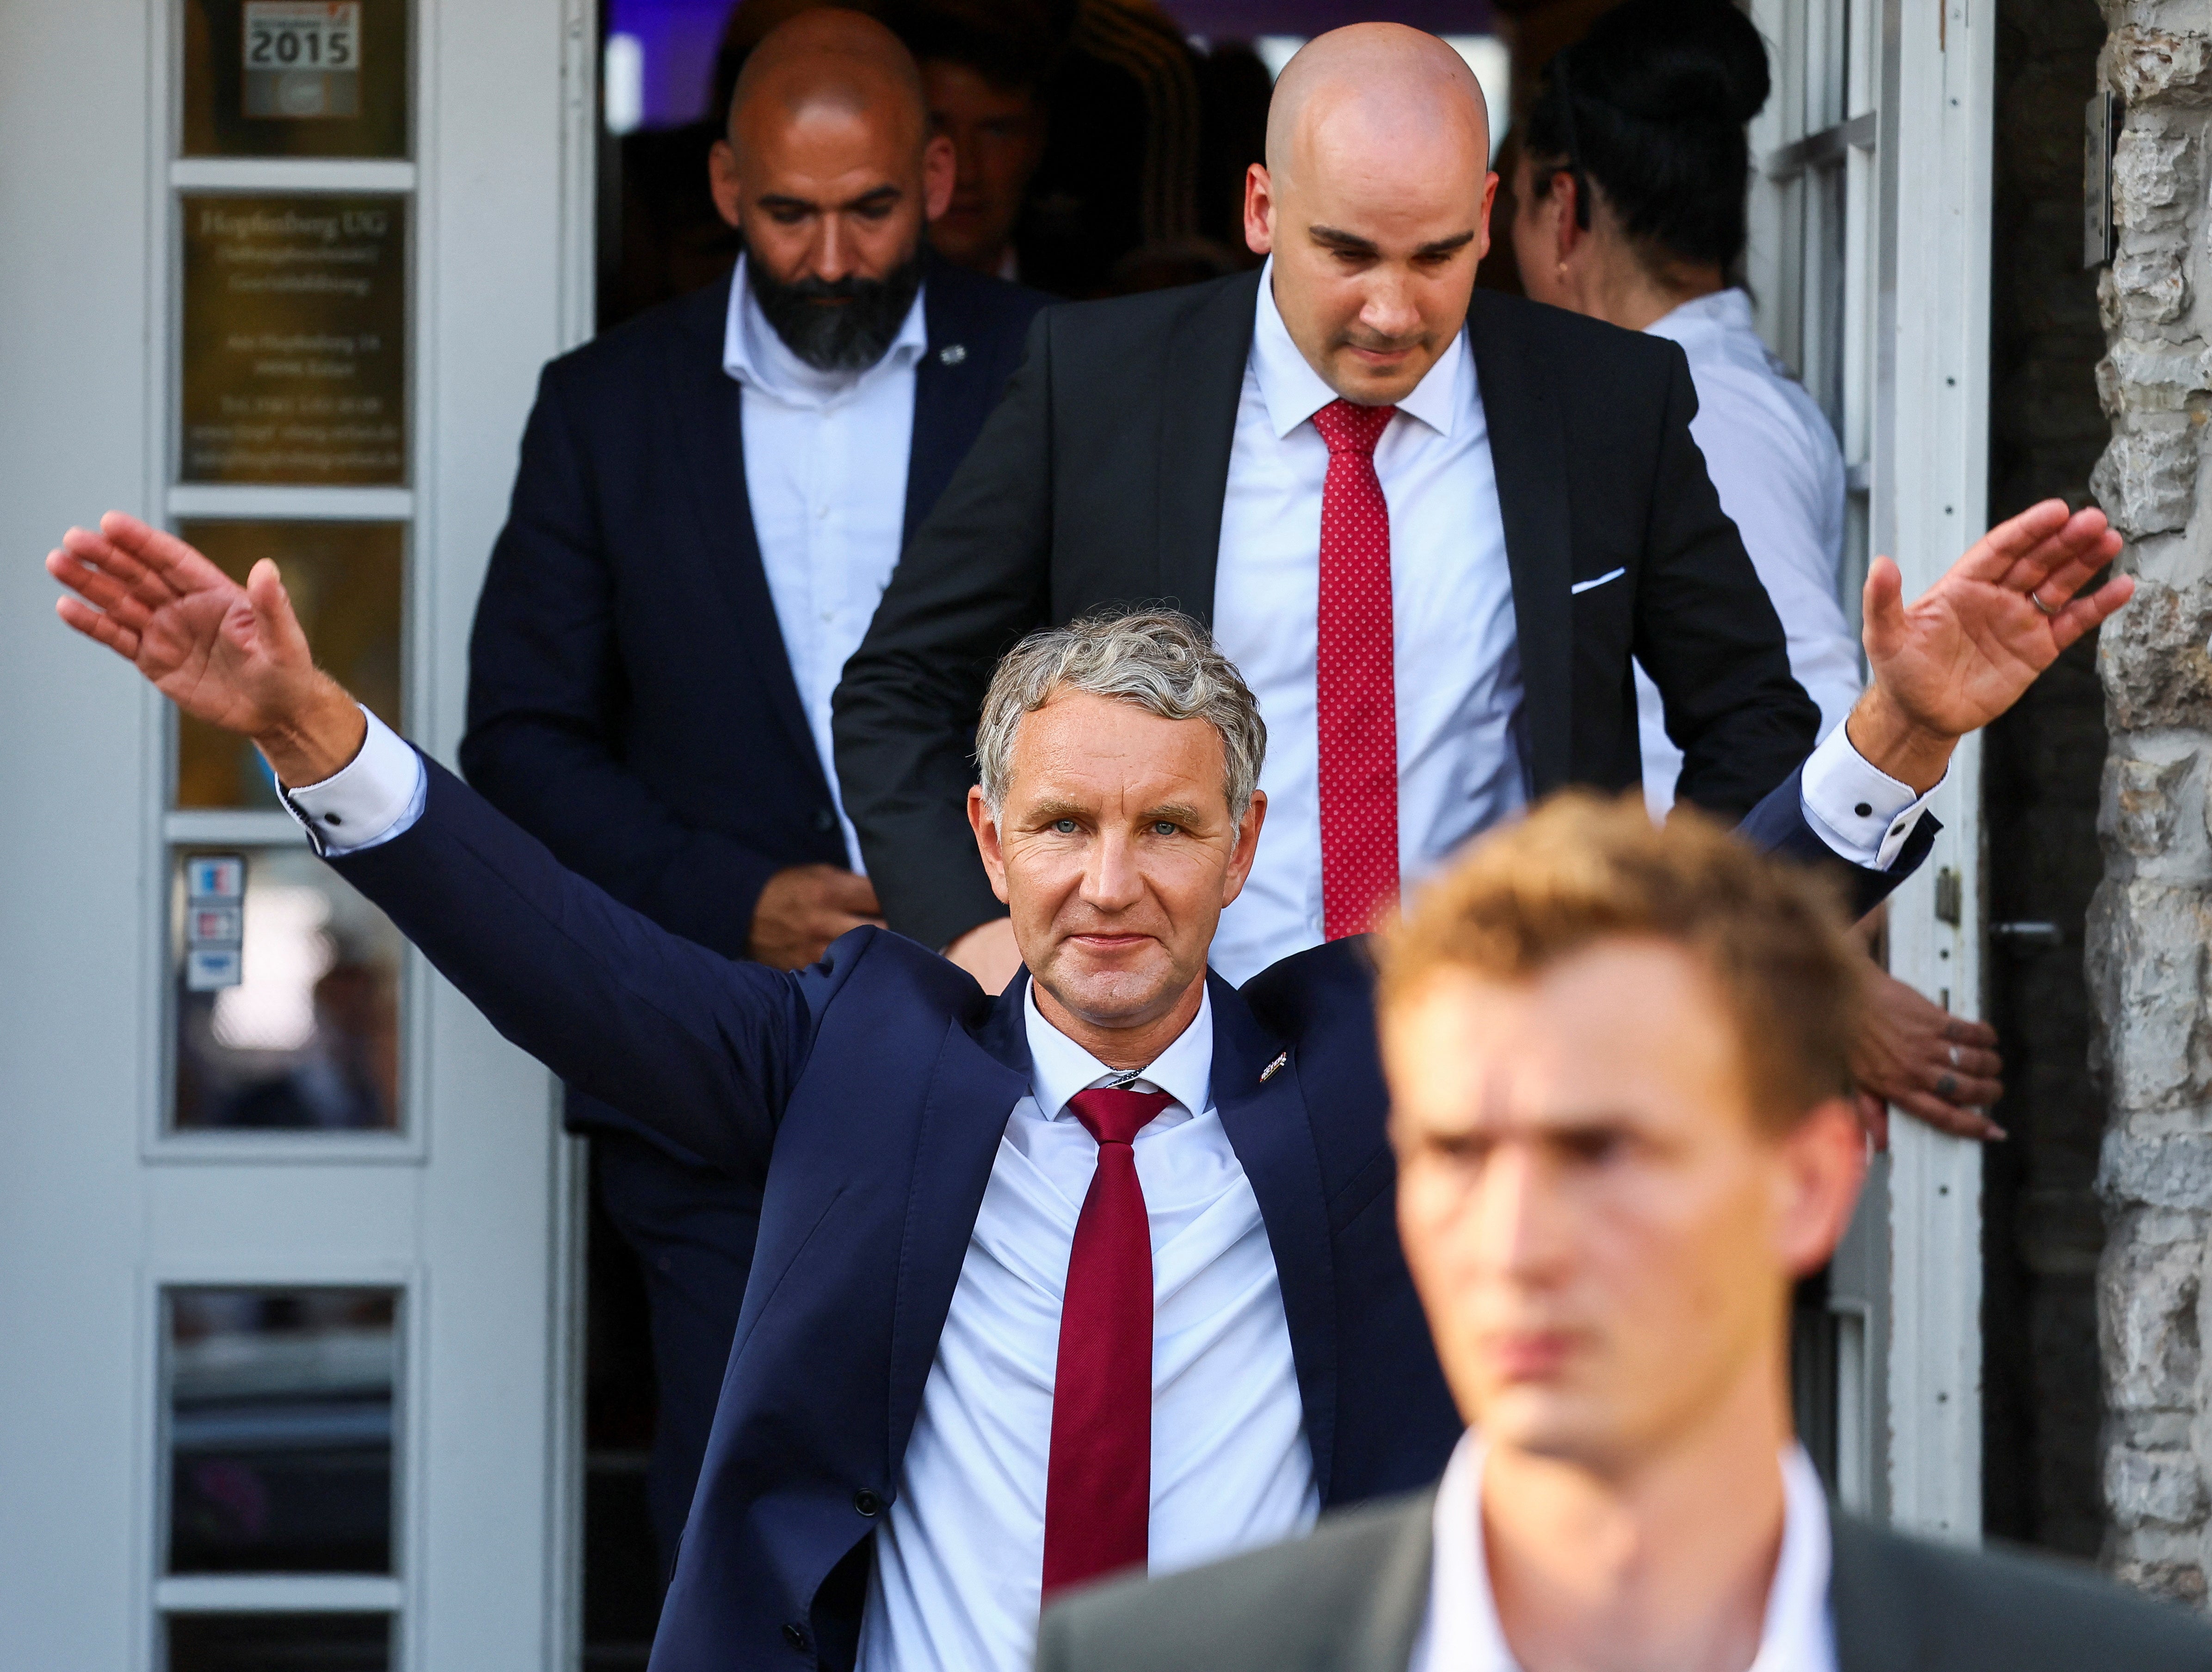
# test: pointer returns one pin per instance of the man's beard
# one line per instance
(848, 334)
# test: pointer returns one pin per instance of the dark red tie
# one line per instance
(1098, 1482)
(1356, 685)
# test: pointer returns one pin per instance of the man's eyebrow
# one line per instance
(1049, 811)
(1352, 244)
(1458, 240)
(1175, 812)
(883, 196)
(1334, 239)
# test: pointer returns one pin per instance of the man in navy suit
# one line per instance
(1102, 1272)
(711, 499)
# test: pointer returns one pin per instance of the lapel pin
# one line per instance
(1268, 1073)
(951, 354)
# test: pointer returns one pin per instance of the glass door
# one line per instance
(288, 1233)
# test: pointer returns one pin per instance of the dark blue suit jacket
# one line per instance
(868, 1094)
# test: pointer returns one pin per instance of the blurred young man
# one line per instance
(710, 501)
(1617, 1056)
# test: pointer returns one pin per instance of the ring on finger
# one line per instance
(1948, 1087)
(1955, 1056)
(2035, 599)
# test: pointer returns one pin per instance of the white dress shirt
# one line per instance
(960, 1554)
(1461, 753)
(1460, 1631)
(825, 471)
(1779, 474)
(1451, 596)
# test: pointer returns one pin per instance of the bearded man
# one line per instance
(710, 501)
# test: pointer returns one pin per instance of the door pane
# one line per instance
(296, 78)
(301, 1032)
(294, 350)
(281, 1430)
(347, 582)
(280, 1643)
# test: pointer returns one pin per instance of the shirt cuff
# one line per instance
(373, 798)
(1861, 812)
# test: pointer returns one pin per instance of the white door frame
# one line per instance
(1930, 500)
(475, 1213)
(1882, 117)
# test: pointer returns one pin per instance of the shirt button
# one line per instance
(1864, 809)
(824, 819)
(867, 1503)
(333, 818)
(795, 1636)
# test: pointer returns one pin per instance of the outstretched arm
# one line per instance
(697, 1044)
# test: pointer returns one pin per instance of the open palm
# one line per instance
(234, 656)
(1964, 650)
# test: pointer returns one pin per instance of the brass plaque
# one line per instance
(295, 340)
(302, 78)
(347, 585)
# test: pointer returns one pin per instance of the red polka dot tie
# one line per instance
(1356, 682)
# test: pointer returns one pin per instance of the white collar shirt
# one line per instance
(825, 457)
(1460, 766)
(1775, 464)
(1460, 1631)
(960, 1552)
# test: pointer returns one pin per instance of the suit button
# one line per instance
(867, 1503)
(796, 1637)
(825, 820)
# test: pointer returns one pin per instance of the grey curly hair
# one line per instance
(1159, 659)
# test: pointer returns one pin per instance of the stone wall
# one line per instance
(2151, 917)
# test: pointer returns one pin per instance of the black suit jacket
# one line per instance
(1100, 480)
(1352, 1599)
(631, 702)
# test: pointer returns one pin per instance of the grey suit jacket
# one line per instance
(1352, 1598)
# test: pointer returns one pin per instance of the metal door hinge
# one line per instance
(2102, 134)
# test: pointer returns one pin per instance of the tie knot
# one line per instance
(1350, 428)
(1113, 1115)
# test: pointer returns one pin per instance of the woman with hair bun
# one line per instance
(1633, 172)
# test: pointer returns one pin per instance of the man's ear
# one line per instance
(1248, 845)
(1259, 211)
(1823, 1167)
(722, 180)
(1482, 224)
(986, 828)
(939, 166)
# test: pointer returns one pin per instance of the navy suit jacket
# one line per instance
(868, 1095)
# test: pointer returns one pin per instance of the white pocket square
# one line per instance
(1599, 581)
